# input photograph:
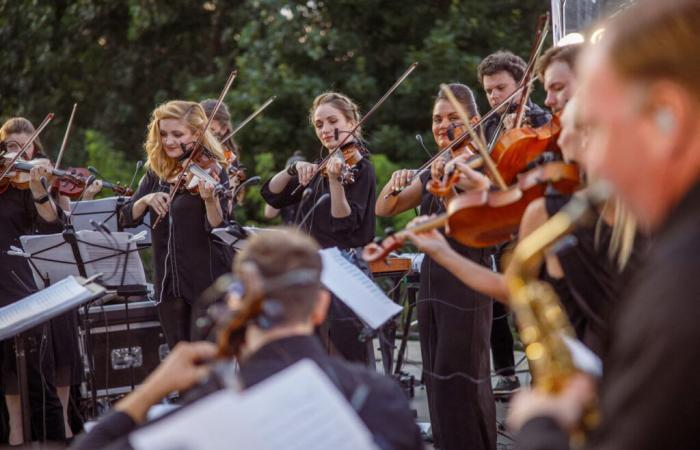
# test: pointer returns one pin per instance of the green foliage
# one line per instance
(119, 59)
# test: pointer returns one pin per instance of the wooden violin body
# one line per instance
(485, 218)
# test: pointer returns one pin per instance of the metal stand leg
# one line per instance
(21, 357)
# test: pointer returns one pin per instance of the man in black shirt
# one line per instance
(641, 103)
(499, 74)
(290, 261)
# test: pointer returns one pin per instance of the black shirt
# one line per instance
(355, 230)
(186, 257)
(18, 217)
(650, 391)
(385, 410)
(536, 115)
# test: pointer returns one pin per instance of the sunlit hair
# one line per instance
(568, 54)
(223, 116)
(342, 103)
(20, 125)
(464, 95)
(281, 251)
(193, 114)
(654, 40)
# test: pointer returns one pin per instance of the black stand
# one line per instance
(21, 358)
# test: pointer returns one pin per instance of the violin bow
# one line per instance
(65, 137)
(362, 120)
(490, 165)
(198, 143)
(260, 109)
(23, 150)
(541, 35)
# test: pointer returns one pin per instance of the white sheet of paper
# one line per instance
(43, 305)
(356, 289)
(59, 262)
(101, 211)
(296, 409)
(583, 358)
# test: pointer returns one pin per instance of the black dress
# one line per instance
(18, 216)
(186, 257)
(592, 283)
(349, 234)
(455, 326)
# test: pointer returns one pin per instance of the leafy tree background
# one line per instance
(119, 59)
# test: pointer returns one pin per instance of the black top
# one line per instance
(18, 217)
(385, 410)
(593, 283)
(650, 394)
(353, 231)
(186, 257)
(536, 115)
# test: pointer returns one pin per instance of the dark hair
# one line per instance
(464, 95)
(224, 118)
(566, 54)
(278, 252)
(20, 125)
(657, 40)
(502, 61)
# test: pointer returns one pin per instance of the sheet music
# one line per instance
(356, 289)
(59, 262)
(43, 305)
(101, 211)
(296, 409)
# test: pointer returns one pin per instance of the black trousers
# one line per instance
(502, 341)
(45, 406)
(178, 320)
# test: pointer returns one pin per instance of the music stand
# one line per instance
(106, 211)
(37, 308)
(88, 253)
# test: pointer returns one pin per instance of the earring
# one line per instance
(665, 120)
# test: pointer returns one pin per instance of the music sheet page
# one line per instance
(296, 409)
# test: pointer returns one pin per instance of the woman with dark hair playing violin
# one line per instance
(454, 321)
(24, 211)
(345, 219)
(186, 258)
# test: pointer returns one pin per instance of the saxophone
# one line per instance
(539, 315)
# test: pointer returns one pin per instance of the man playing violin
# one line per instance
(267, 351)
(499, 74)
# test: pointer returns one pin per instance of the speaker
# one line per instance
(119, 353)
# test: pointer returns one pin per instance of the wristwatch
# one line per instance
(292, 169)
(41, 200)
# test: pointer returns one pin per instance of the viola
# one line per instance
(485, 218)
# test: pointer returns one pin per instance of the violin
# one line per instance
(352, 154)
(17, 172)
(202, 165)
(485, 218)
(72, 189)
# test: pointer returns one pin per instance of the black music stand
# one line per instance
(89, 253)
(36, 309)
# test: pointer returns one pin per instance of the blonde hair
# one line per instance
(20, 125)
(342, 103)
(193, 114)
(624, 232)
